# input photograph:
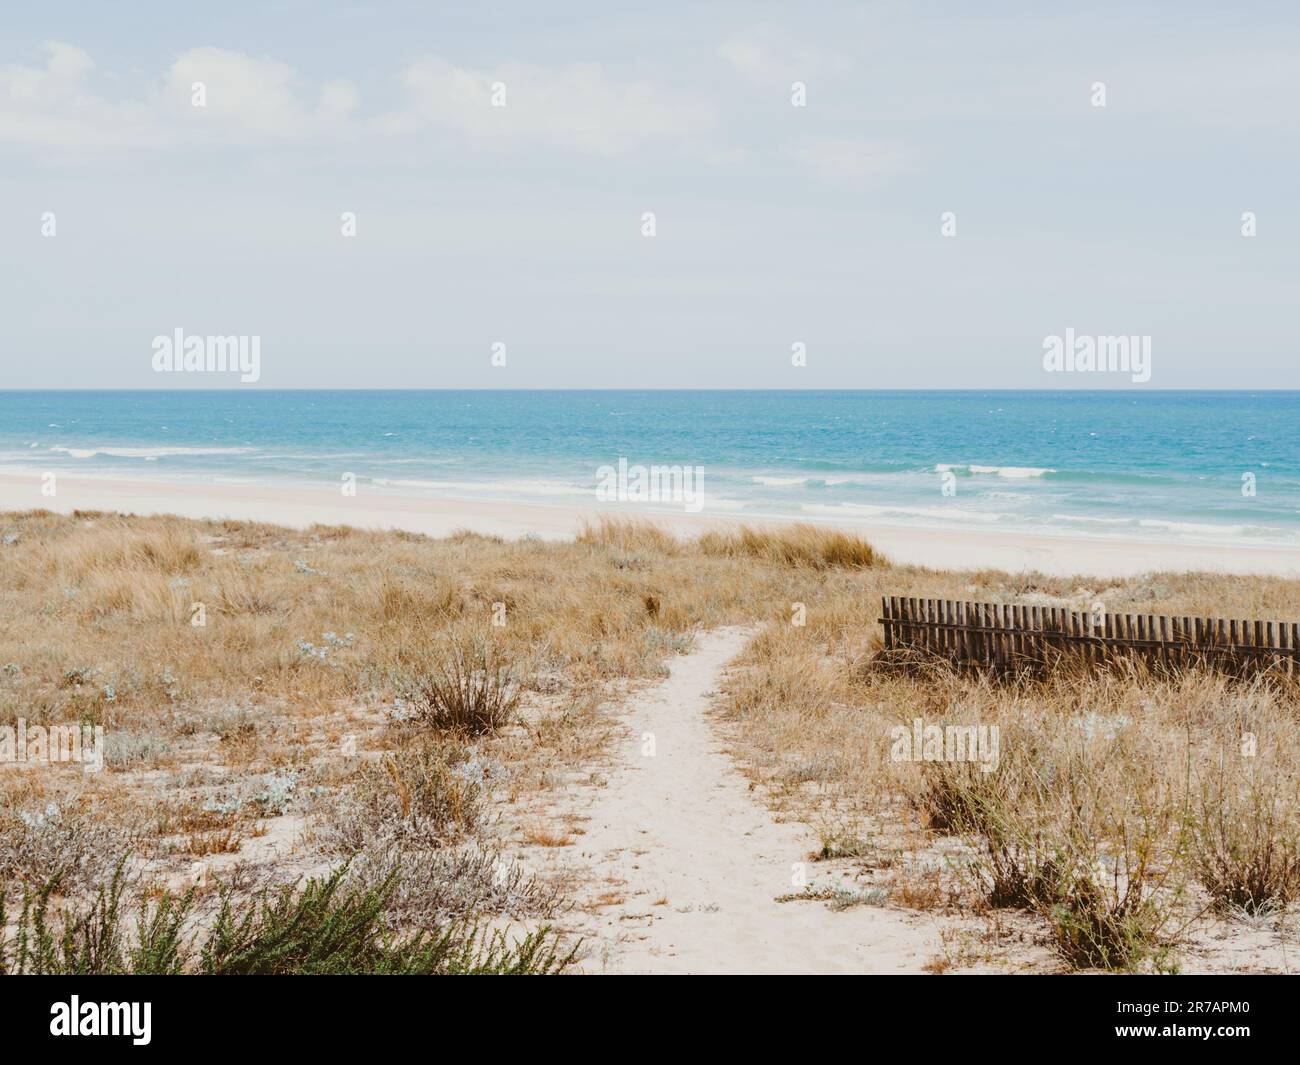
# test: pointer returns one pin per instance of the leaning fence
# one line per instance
(1014, 636)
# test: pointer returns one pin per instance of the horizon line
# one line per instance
(233, 390)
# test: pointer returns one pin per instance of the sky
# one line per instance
(128, 212)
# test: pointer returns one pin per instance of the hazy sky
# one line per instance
(775, 224)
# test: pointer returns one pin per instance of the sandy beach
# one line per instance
(298, 507)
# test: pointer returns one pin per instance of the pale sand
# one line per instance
(682, 865)
(696, 862)
(937, 548)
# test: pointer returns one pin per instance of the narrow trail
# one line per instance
(691, 863)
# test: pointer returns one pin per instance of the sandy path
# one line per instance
(682, 825)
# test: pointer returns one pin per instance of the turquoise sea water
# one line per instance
(1159, 465)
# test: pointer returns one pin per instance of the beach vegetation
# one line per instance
(1136, 818)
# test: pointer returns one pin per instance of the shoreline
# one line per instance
(955, 549)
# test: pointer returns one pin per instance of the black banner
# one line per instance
(143, 1014)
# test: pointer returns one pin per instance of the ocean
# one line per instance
(1207, 467)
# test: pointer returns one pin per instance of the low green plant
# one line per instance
(1244, 845)
(322, 928)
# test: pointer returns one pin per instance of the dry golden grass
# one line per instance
(1124, 804)
(222, 841)
(544, 835)
(306, 643)
(291, 687)
(793, 545)
(629, 536)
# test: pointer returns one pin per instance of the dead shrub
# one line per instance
(471, 690)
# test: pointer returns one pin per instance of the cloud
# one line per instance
(57, 106)
(767, 54)
(749, 57)
(67, 62)
(256, 94)
(838, 159)
(53, 106)
(60, 80)
(338, 100)
(574, 106)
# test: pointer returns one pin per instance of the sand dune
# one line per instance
(298, 507)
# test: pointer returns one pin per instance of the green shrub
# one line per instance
(1110, 902)
(1244, 846)
(323, 927)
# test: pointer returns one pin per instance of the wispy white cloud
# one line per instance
(846, 158)
(769, 54)
(256, 94)
(56, 105)
(576, 106)
(523, 222)
(52, 105)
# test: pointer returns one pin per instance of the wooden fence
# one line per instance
(1010, 636)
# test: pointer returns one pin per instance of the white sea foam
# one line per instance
(1091, 519)
(1012, 472)
(496, 488)
(779, 482)
(419, 460)
(942, 514)
(830, 481)
(147, 453)
(314, 455)
(1200, 529)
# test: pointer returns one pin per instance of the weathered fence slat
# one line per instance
(1010, 636)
